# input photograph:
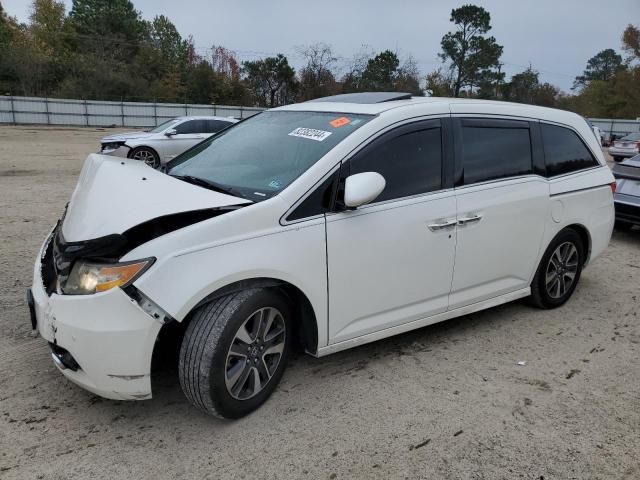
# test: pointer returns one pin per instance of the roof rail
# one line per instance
(365, 97)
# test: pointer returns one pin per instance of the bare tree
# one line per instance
(317, 77)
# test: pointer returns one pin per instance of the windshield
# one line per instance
(632, 136)
(162, 126)
(260, 157)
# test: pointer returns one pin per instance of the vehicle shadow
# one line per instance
(445, 334)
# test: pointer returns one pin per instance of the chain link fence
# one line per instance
(96, 113)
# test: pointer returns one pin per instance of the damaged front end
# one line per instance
(101, 329)
(62, 260)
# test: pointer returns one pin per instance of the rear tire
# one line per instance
(235, 351)
(559, 270)
(617, 159)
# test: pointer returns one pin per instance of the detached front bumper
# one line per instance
(107, 334)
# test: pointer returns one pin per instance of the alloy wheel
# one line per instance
(561, 270)
(255, 353)
(146, 156)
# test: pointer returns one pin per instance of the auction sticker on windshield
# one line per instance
(310, 133)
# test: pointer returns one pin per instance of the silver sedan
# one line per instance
(169, 139)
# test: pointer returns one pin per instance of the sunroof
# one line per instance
(365, 97)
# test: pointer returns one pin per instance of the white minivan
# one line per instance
(327, 224)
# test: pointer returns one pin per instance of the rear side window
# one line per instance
(564, 151)
(490, 151)
(409, 159)
(214, 126)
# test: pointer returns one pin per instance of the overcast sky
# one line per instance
(556, 37)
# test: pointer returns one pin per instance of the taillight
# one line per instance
(613, 186)
(638, 146)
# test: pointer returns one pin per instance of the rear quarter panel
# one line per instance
(585, 199)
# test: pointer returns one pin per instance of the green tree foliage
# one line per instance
(602, 66)
(472, 55)
(525, 87)
(272, 80)
(104, 49)
(382, 73)
(439, 83)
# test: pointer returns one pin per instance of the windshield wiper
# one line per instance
(210, 184)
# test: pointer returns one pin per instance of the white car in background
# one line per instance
(625, 147)
(169, 139)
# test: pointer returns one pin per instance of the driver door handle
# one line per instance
(469, 219)
(434, 227)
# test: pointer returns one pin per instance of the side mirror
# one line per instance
(171, 132)
(362, 188)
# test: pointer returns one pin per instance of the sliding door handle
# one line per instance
(434, 227)
(469, 219)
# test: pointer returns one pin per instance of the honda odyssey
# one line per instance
(327, 224)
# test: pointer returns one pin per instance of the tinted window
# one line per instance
(564, 152)
(214, 126)
(191, 126)
(489, 153)
(411, 162)
(318, 202)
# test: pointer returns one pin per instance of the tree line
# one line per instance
(105, 50)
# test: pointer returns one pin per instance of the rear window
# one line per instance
(632, 136)
(564, 151)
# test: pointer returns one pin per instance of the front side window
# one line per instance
(191, 126)
(163, 126)
(261, 156)
(493, 152)
(409, 159)
(564, 151)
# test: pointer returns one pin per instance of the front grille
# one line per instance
(47, 267)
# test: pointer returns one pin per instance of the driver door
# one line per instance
(188, 133)
(391, 262)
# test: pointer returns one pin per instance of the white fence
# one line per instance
(95, 113)
(616, 127)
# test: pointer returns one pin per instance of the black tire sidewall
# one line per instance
(224, 403)
(547, 300)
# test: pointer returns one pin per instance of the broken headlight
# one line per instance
(111, 146)
(89, 277)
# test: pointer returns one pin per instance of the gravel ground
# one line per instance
(446, 401)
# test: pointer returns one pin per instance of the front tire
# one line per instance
(235, 351)
(617, 159)
(147, 155)
(559, 270)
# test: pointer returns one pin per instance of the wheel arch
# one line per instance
(585, 236)
(306, 328)
(136, 147)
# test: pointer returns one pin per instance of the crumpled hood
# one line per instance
(122, 137)
(115, 194)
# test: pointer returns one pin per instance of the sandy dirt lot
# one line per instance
(446, 401)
